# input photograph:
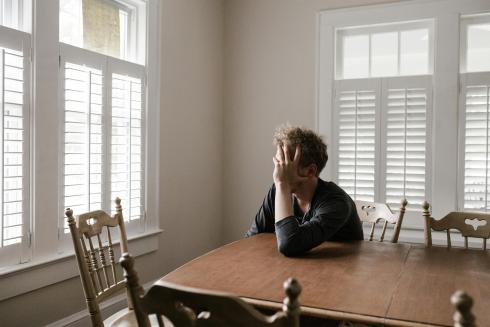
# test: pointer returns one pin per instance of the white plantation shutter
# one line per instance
(382, 132)
(355, 109)
(127, 119)
(14, 150)
(476, 140)
(83, 138)
(104, 120)
(406, 113)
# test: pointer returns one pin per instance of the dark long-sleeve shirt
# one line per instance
(332, 217)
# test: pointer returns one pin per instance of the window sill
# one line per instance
(23, 278)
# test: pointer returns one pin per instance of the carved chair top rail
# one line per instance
(91, 223)
(373, 212)
(460, 221)
(225, 303)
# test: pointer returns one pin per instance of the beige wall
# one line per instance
(270, 57)
(190, 163)
(191, 142)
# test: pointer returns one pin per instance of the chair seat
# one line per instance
(127, 318)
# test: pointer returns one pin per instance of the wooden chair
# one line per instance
(96, 261)
(463, 316)
(186, 306)
(372, 212)
(458, 221)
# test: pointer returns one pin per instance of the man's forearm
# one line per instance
(283, 207)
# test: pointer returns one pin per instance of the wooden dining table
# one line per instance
(372, 282)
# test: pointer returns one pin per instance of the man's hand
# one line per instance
(286, 171)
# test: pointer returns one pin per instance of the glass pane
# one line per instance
(356, 56)
(16, 14)
(102, 26)
(414, 52)
(478, 51)
(71, 22)
(384, 49)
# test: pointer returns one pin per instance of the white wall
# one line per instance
(270, 58)
(190, 165)
(191, 127)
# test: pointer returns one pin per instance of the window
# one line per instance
(423, 101)
(384, 50)
(16, 14)
(112, 27)
(103, 150)
(475, 103)
(382, 110)
(76, 134)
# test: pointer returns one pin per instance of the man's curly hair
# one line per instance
(313, 149)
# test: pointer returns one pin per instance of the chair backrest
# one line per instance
(95, 258)
(463, 317)
(186, 306)
(459, 221)
(373, 213)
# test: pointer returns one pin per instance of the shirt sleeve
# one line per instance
(264, 219)
(294, 239)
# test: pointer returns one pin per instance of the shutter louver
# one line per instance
(13, 146)
(406, 134)
(126, 144)
(356, 143)
(476, 148)
(83, 157)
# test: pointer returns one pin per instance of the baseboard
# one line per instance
(108, 308)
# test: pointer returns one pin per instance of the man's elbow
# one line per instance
(288, 248)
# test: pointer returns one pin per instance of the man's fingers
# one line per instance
(297, 154)
(286, 154)
(280, 154)
(274, 160)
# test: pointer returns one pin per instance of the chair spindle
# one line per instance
(111, 255)
(95, 263)
(382, 237)
(371, 235)
(91, 268)
(101, 250)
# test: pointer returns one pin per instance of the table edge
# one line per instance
(340, 315)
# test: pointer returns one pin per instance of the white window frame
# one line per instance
(446, 15)
(49, 260)
(21, 41)
(396, 27)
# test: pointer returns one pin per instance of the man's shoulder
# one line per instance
(330, 188)
(330, 193)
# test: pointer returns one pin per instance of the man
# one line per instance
(301, 208)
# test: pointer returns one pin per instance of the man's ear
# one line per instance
(312, 170)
